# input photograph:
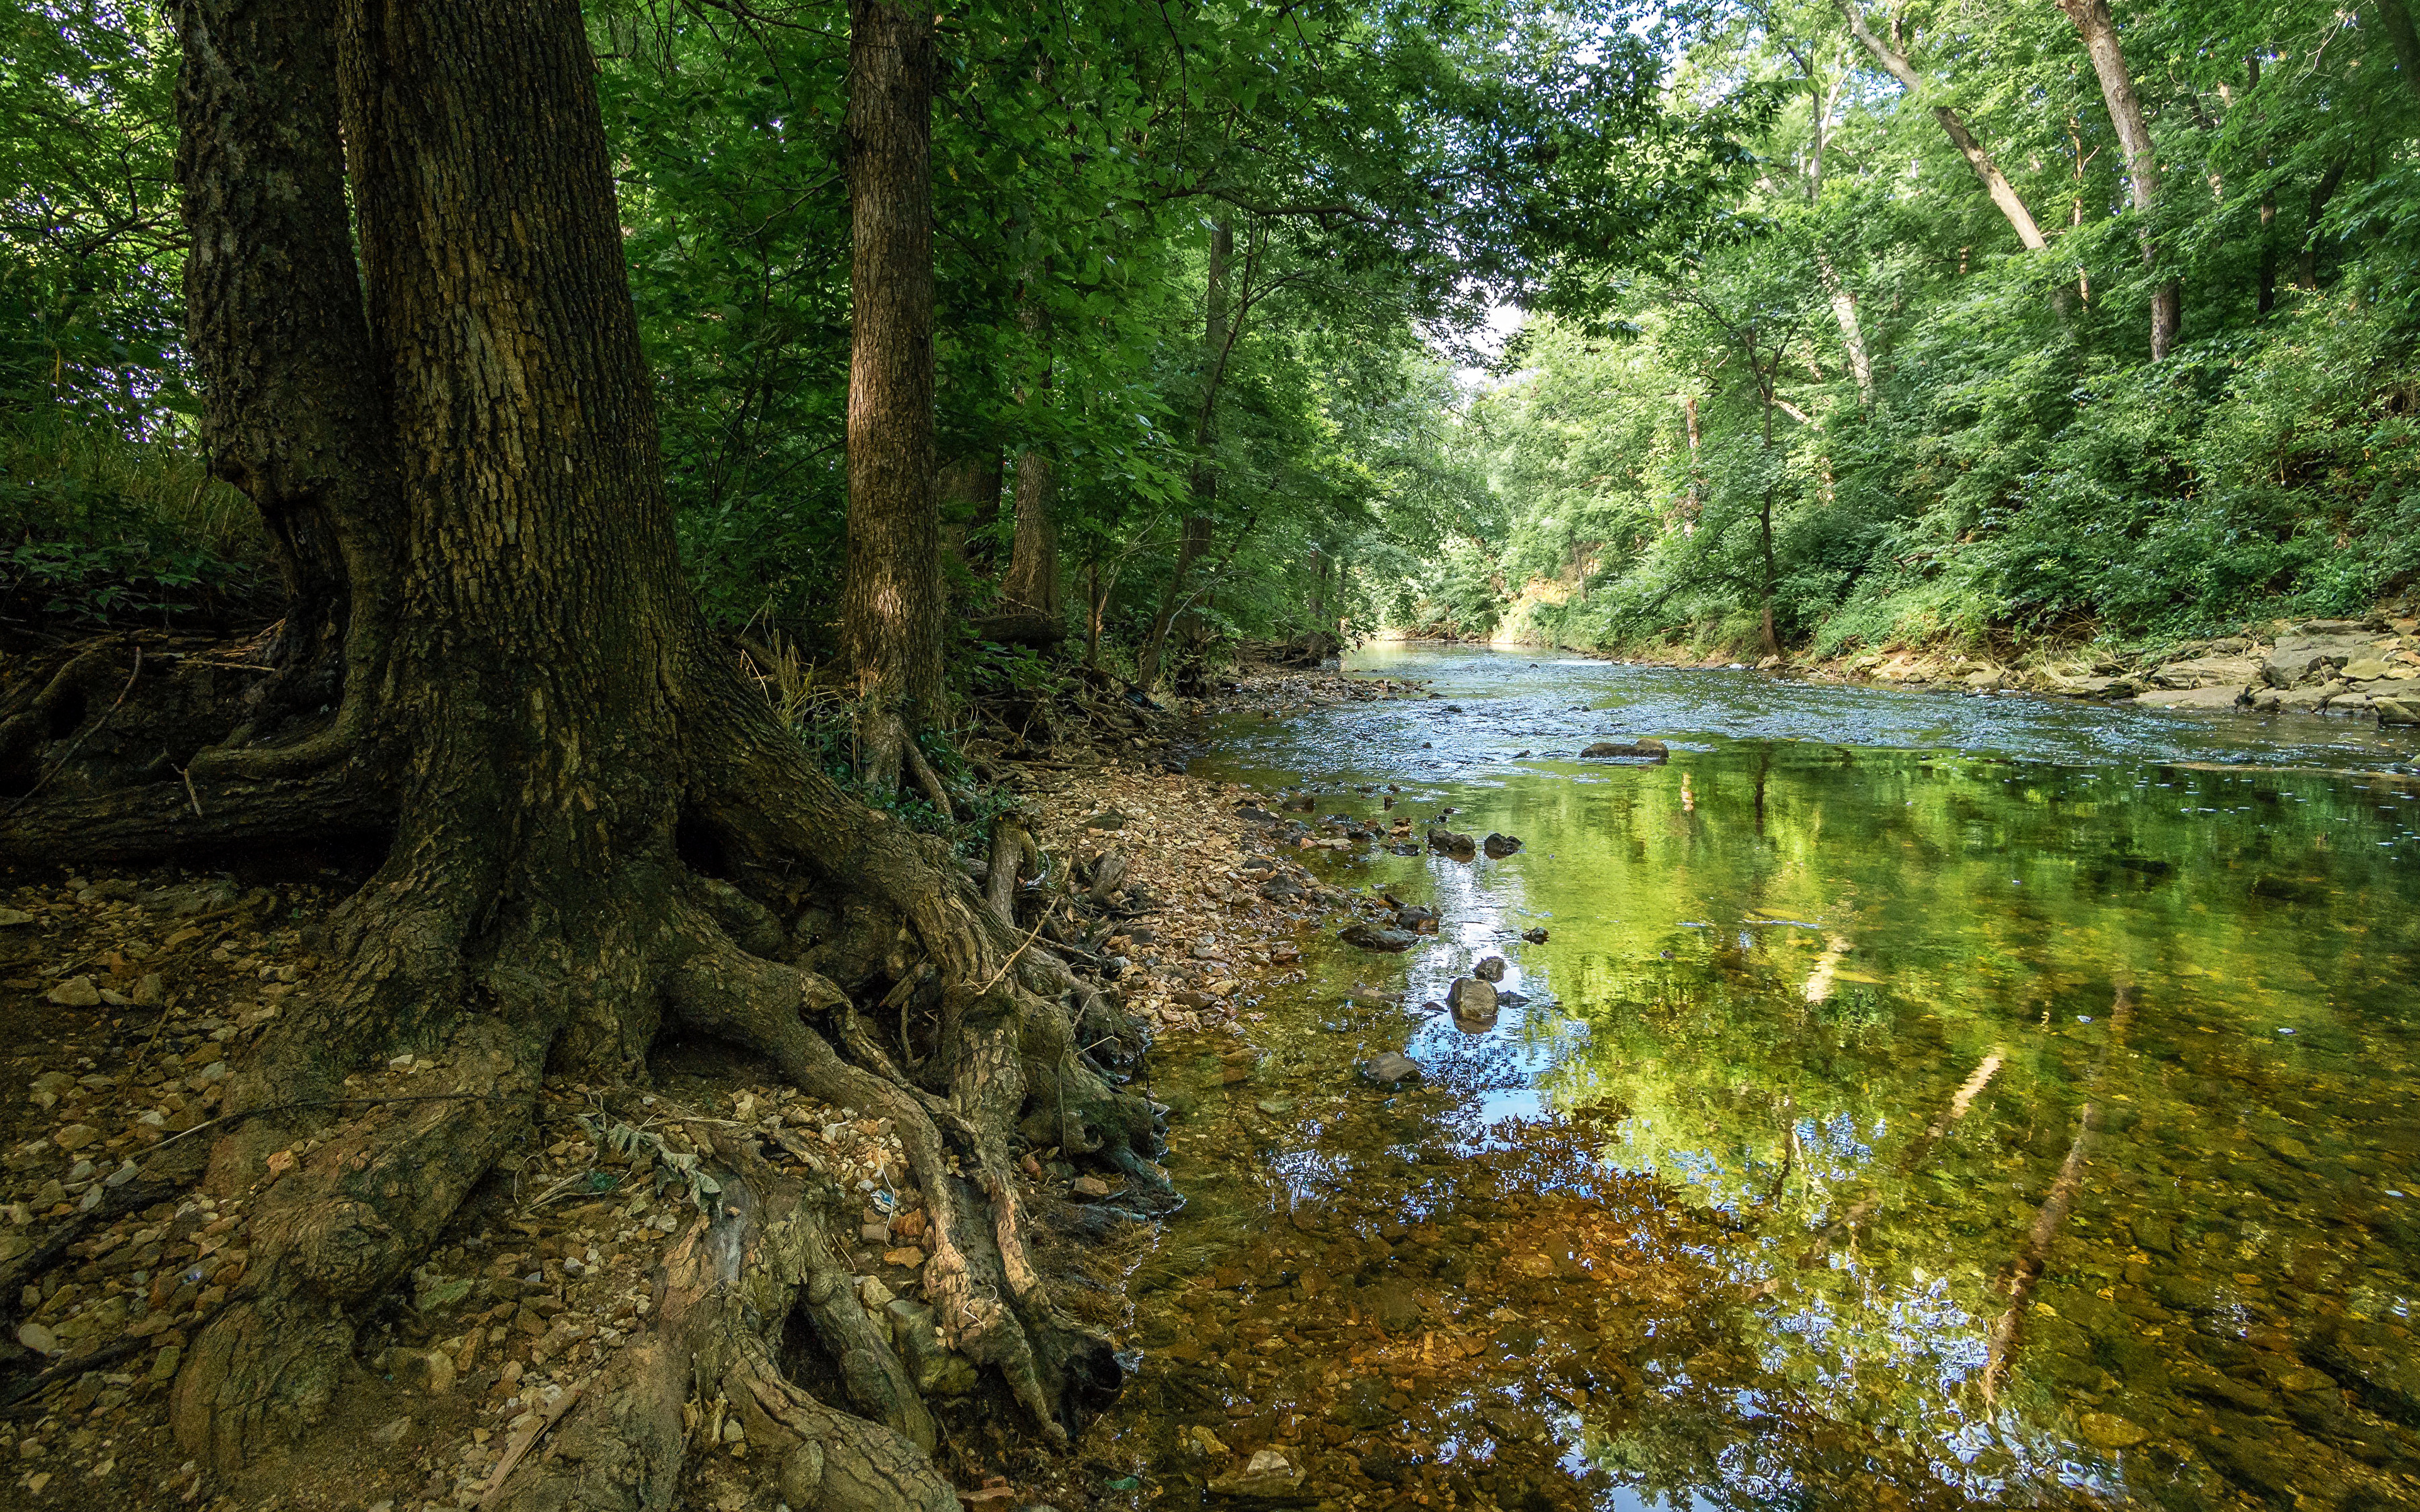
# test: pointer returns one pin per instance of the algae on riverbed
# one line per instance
(1883, 1127)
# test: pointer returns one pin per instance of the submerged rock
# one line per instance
(1650, 749)
(1453, 843)
(1269, 1475)
(1535, 936)
(1391, 1068)
(1371, 938)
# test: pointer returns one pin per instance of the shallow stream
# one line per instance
(1919, 1101)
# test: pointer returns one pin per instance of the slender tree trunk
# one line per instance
(1692, 504)
(2100, 33)
(892, 603)
(2306, 267)
(1843, 301)
(2265, 287)
(293, 413)
(1030, 592)
(1996, 183)
(1218, 337)
(1770, 641)
(1096, 599)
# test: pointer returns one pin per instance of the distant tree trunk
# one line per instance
(1996, 183)
(968, 489)
(1218, 339)
(2306, 267)
(1030, 592)
(1097, 598)
(1691, 503)
(1771, 641)
(2100, 33)
(293, 413)
(892, 602)
(1843, 301)
(2397, 19)
(2265, 289)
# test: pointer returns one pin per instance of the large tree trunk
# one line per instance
(2100, 33)
(1996, 183)
(547, 713)
(892, 603)
(968, 489)
(292, 412)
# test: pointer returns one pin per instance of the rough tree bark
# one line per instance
(2094, 23)
(548, 710)
(1218, 341)
(1996, 183)
(969, 487)
(892, 602)
(292, 414)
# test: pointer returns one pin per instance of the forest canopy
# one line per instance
(1840, 317)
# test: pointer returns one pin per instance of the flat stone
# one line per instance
(1650, 749)
(1391, 1068)
(1269, 1475)
(2398, 711)
(76, 992)
(2109, 1432)
(2209, 672)
(10, 917)
(2192, 697)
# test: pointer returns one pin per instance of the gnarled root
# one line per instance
(338, 1228)
(728, 1285)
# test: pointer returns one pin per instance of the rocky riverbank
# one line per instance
(2367, 668)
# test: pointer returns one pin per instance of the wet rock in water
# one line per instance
(1371, 938)
(1269, 1475)
(1491, 969)
(1505, 997)
(1500, 846)
(1364, 1405)
(1453, 843)
(2154, 1233)
(2398, 710)
(1650, 749)
(2109, 1432)
(1535, 936)
(1391, 1068)
(1393, 1306)
(1417, 918)
(1473, 1003)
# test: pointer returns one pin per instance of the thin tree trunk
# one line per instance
(1030, 591)
(293, 413)
(1987, 172)
(1771, 641)
(2306, 267)
(2265, 288)
(1217, 338)
(892, 602)
(1691, 503)
(1843, 301)
(1095, 600)
(2100, 33)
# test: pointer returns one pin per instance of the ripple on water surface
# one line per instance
(1918, 1101)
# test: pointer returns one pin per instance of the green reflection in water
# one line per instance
(1883, 1128)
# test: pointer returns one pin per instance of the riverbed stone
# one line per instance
(2300, 658)
(1499, 846)
(1650, 749)
(1453, 843)
(1267, 1477)
(2109, 1432)
(1371, 937)
(1391, 1068)
(2398, 711)
(1490, 969)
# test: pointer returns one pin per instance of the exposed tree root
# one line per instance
(727, 1288)
(495, 956)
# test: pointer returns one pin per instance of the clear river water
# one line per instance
(1919, 1100)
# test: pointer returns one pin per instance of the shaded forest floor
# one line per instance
(127, 995)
